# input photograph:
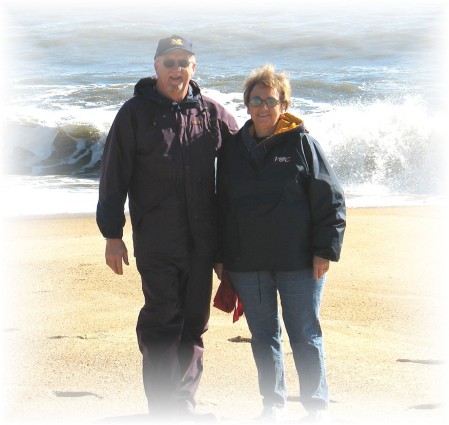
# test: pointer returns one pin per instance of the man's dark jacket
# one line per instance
(161, 155)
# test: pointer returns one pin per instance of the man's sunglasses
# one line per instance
(170, 63)
(270, 101)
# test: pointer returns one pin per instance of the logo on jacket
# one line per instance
(282, 159)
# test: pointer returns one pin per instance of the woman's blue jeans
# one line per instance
(300, 297)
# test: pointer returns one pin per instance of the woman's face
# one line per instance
(264, 117)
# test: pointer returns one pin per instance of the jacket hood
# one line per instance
(287, 122)
(146, 87)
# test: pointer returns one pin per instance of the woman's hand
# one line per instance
(320, 266)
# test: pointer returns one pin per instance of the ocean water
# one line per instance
(368, 78)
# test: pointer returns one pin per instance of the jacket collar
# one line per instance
(287, 122)
(146, 87)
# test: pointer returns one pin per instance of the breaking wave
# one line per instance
(396, 146)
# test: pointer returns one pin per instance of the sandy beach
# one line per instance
(68, 328)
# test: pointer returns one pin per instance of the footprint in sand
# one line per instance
(75, 394)
(432, 362)
(239, 339)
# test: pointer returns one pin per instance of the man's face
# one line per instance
(174, 71)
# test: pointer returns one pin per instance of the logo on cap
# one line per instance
(176, 42)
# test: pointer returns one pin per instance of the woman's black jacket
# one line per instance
(280, 203)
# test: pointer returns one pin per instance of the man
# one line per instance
(160, 153)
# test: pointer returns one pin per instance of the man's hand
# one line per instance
(218, 268)
(320, 266)
(116, 252)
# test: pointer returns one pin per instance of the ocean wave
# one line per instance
(394, 144)
(62, 97)
(384, 144)
(70, 150)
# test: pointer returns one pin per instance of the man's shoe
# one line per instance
(187, 414)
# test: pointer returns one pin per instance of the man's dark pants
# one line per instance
(170, 326)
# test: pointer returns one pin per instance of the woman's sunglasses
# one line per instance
(270, 101)
(170, 63)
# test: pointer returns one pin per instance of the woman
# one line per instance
(282, 220)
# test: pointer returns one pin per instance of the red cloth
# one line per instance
(226, 298)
